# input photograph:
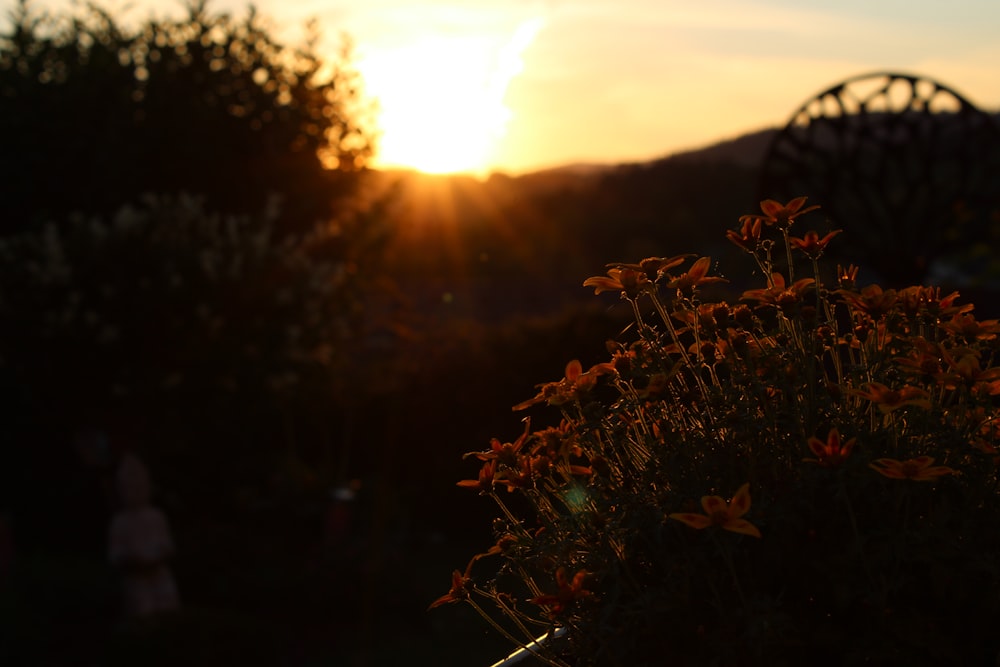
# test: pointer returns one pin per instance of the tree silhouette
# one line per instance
(180, 242)
(94, 114)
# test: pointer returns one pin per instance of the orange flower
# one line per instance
(918, 469)
(719, 513)
(748, 237)
(923, 359)
(872, 300)
(569, 592)
(459, 590)
(574, 383)
(779, 294)
(928, 304)
(831, 453)
(782, 215)
(989, 433)
(879, 336)
(965, 325)
(967, 372)
(707, 316)
(520, 476)
(485, 481)
(507, 452)
(557, 442)
(504, 543)
(846, 277)
(628, 281)
(654, 267)
(812, 246)
(696, 275)
(893, 399)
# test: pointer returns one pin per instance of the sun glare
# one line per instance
(441, 99)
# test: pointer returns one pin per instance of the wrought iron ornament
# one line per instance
(906, 166)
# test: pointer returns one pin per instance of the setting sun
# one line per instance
(441, 98)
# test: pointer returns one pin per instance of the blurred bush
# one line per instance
(203, 338)
(182, 229)
(168, 306)
(95, 114)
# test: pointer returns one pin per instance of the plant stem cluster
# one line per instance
(810, 471)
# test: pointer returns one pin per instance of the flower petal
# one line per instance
(817, 447)
(697, 521)
(700, 268)
(771, 207)
(795, 204)
(603, 284)
(578, 580)
(742, 526)
(833, 439)
(458, 590)
(933, 472)
(890, 468)
(740, 503)
(713, 504)
(847, 448)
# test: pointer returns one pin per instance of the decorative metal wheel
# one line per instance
(907, 167)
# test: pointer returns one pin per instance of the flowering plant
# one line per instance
(807, 474)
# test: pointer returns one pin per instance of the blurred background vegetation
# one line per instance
(197, 266)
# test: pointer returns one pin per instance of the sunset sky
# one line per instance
(519, 85)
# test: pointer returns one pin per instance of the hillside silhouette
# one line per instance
(512, 245)
(522, 244)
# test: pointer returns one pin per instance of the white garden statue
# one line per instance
(141, 544)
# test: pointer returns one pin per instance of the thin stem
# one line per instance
(857, 533)
(728, 557)
(788, 256)
(662, 311)
(514, 521)
(553, 662)
(513, 615)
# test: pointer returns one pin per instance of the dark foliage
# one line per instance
(208, 331)
(95, 114)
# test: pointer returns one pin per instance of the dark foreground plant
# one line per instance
(808, 476)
